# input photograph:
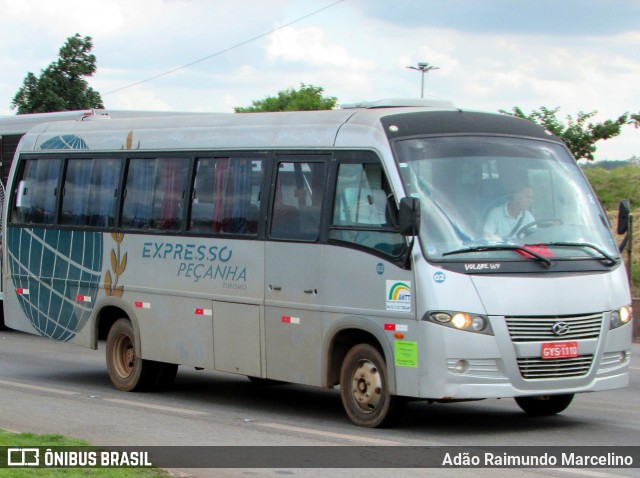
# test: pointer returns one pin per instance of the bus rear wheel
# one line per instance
(127, 370)
(544, 405)
(364, 388)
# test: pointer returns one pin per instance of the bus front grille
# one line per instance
(537, 368)
(539, 329)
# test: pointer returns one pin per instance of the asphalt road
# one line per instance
(51, 387)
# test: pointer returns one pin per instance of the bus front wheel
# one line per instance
(544, 404)
(364, 388)
(127, 370)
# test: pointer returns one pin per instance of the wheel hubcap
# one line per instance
(125, 355)
(366, 386)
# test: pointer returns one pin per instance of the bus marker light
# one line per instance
(21, 291)
(290, 320)
(83, 298)
(399, 335)
(143, 305)
(207, 312)
(396, 327)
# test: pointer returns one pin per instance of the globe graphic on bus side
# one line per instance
(57, 275)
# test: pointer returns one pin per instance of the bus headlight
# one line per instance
(620, 317)
(460, 321)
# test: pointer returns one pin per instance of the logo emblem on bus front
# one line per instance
(560, 328)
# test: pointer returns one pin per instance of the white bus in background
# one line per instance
(331, 248)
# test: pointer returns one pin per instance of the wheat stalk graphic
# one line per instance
(128, 143)
(118, 266)
(118, 262)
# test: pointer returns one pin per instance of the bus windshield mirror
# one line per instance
(409, 216)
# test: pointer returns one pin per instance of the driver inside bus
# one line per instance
(506, 220)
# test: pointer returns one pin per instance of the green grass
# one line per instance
(614, 185)
(30, 440)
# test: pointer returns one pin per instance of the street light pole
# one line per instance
(423, 67)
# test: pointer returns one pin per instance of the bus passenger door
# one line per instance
(365, 273)
(293, 271)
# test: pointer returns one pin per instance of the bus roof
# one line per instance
(21, 124)
(356, 126)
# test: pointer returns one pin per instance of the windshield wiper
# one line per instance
(524, 249)
(611, 260)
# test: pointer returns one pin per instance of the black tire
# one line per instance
(2, 326)
(364, 389)
(544, 405)
(127, 371)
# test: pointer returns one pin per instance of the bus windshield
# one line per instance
(486, 197)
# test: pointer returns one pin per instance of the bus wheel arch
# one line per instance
(340, 345)
(105, 319)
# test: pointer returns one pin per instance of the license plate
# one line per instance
(556, 350)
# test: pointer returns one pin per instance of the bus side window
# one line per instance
(155, 193)
(364, 211)
(226, 196)
(37, 191)
(298, 201)
(90, 189)
(103, 197)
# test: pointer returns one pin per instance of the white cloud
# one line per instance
(138, 99)
(230, 102)
(344, 50)
(67, 16)
(308, 45)
(17, 8)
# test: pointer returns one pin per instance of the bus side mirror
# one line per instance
(623, 216)
(409, 216)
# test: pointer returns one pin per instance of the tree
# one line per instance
(61, 86)
(308, 97)
(579, 136)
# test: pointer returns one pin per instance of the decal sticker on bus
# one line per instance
(399, 296)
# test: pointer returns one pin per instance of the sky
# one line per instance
(212, 55)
